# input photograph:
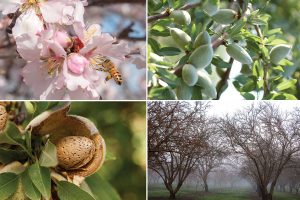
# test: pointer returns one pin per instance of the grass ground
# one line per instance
(159, 193)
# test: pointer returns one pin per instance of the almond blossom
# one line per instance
(65, 64)
(64, 12)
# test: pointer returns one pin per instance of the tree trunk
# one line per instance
(267, 197)
(205, 187)
(172, 195)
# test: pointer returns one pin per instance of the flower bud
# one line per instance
(62, 38)
(181, 17)
(189, 75)
(202, 56)
(279, 52)
(77, 63)
(180, 37)
(203, 38)
(239, 54)
(225, 16)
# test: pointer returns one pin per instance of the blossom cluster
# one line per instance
(64, 57)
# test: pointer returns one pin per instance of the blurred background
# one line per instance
(123, 126)
(124, 19)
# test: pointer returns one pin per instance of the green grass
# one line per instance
(227, 195)
(220, 194)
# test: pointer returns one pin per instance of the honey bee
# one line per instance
(104, 64)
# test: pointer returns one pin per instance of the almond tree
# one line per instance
(267, 138)
(177, 135)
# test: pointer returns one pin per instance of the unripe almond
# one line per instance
(211, 7)
(189, 75)
(183, 92)
(180, 37)
(225, 16)
(154, 58)
(279, 52)
(239, 54)
(202, 56)
(209, 90)
(181, 17)
(3, 117)
(202, 38)
(74, 152)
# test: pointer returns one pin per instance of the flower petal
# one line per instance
(27, 46)
(28, 23)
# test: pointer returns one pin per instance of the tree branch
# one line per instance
(165, 14)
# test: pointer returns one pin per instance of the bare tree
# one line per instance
(177, 135)
(267, 138)
(212, 159)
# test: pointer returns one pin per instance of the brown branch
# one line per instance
(165, 14)
(224, 79)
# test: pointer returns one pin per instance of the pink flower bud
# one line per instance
(77, 63)
(62, 38)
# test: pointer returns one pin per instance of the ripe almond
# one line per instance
(74, 152)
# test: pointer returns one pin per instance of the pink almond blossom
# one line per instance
(64, 71)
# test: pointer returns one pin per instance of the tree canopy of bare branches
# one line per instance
(177, 135)
(267, 138)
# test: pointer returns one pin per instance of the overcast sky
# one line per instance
(226, 106)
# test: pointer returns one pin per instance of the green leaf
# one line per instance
(248, 96)
(11, 134)
(249, 86)
(40, 176)
(219, 62)
(197, 93)
(169, 51)
(8, 184)
(30, 190)
(69, 191)
(162, 93)
(286, 84)
(8, 155)
(101, 188)
(19, 193)
(154, 45)
(48, 157)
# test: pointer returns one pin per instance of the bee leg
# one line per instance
(108, 78)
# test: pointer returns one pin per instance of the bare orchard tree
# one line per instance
(267, 138)
(177, 135)
(213, 159)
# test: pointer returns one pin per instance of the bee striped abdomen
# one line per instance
(113, 71)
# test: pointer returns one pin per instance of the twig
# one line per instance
(265, 67)
(167, 13)
(224, 79)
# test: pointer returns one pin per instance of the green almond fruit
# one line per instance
(189, 75)
(202, 39)
(211, 7)
(209, 90)
(279, 52)
(225, 16)
(154, 58)
(180, 37)
(239, 54)
(202, 56)
(184, 92)
(181, 17)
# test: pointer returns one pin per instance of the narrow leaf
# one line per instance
(29, 189)
(40, 176)
(101, 188)
(8, 184)
(69, 191)
(48, 157)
